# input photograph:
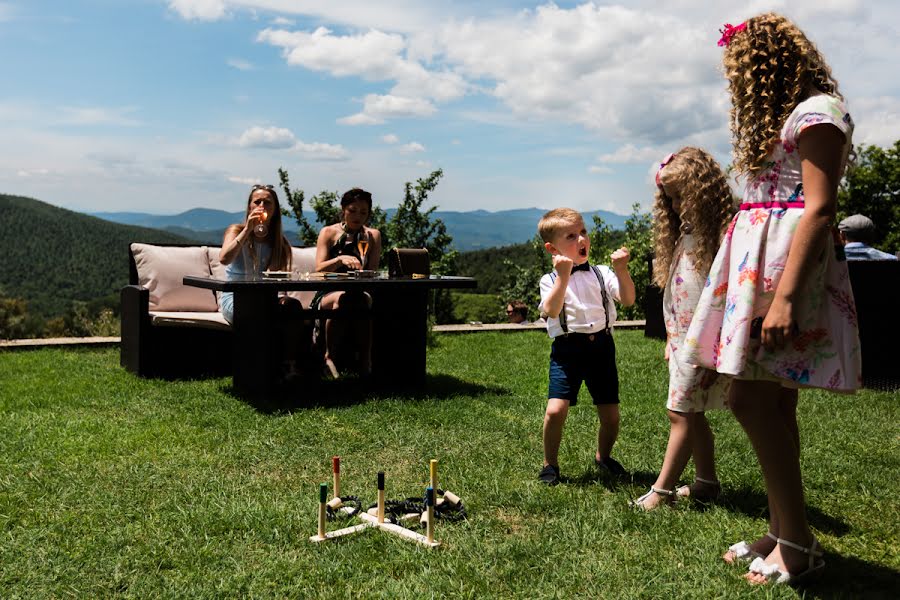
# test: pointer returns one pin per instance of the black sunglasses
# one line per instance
(260, 186)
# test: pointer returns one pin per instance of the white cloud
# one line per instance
(378, 108)
(412, 147)
(279, 138)
(374, 56)
(600, 170)
(396, 15)
(98, 115)
(243, 180)
(360, 119)
(240, 64)
(631, 154)
(611, 69)
(390, 139)
(283, 22)
(267, 137)
(200, 10)
(615, 70)
(32, 172)
(320, 151)
(877, 120)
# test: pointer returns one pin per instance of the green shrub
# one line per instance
(486, 308)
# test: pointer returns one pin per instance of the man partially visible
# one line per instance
(857, 233)
(517, 312)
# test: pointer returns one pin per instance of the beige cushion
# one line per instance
(161, 270)
(217, 269)
(303, 260)
(207, 320)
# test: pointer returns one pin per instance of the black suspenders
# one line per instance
(603, 295)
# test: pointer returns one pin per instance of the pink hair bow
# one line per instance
(665, 161)
(729, 32)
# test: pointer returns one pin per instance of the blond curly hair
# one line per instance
(771, 67)
(707, 206)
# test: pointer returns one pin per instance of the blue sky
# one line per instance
(164, 105)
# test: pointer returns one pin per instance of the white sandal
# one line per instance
(774, 574)
(742, 552)
(639, 503)
(686, 491)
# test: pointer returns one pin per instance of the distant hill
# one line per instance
(51, 256)
(472, 230)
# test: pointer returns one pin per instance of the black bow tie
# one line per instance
(585, 266)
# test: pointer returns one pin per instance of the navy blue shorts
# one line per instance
(588, 358)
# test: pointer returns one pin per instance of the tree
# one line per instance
(524, 282)
(638, 240)
(307, 234)
(411, 227)
(13, 315)
(871, 187)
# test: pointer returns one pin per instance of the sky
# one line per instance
(161, 106)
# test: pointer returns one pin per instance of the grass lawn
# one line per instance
(116, 486)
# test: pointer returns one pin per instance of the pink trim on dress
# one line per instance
(771, 204)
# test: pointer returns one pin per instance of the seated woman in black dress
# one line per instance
(347, 246)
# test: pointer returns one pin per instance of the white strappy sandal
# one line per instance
(774, 574)
(693, 491)
(639, 503)
(742, 552)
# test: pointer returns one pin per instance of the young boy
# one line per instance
(578, 302)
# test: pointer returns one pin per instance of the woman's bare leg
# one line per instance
(759, 407)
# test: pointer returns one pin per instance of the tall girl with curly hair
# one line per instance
(692, 209)
(777, 312)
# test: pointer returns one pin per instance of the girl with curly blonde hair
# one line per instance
(777, 312)
(692, 210)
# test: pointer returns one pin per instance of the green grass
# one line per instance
(116, 486)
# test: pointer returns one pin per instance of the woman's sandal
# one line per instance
(742, 552)
(639, 503)
(774, 574)
(702, 490)
(331, 371)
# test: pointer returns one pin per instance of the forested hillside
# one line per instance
(489, 268)
(50, 256)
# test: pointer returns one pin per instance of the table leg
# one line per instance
(400, 335)
(256, 343)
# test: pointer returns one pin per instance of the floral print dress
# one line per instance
(725, 332)
(691, 388)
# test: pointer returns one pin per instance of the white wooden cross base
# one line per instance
(339, 532)
(397, 530)
(372, 521)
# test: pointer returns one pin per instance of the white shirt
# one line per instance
(584, 301)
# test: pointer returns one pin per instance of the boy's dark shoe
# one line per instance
(610, 466)
(549, 475)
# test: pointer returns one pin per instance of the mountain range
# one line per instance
(53, 257)
(472, 230)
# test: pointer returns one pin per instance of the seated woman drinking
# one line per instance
(259, 245)
(347, 246)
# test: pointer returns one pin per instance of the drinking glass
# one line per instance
(261, 229)
(362, 244)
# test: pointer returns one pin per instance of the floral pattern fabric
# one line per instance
(691, 388)
(725, 332)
